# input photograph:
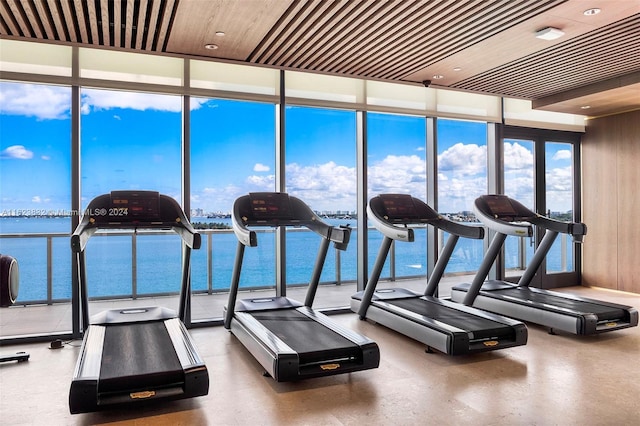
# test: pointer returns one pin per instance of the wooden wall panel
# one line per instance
(599, 180)
(610, 198)
(628, 200)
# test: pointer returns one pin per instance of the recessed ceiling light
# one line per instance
(220, 33)
(585, 107)
(591, 12)
(549, 33)
(438, 77)
(456, 69)
(211, 46)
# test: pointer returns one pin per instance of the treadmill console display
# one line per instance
(501, 208)
(399, 207)
(133, 206)
(270, 205)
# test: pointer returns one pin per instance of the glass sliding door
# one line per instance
(519, 184)
(540, 169)
(559, 195)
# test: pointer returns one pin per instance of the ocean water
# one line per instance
(157, 265)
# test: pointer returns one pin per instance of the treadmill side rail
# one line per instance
(275, 356)
(84, 387)
(183, 343)
(196, 375)
(356, 338)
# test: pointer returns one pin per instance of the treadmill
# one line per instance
(289, 339)
(139, 354)
(557, 311)
(447, 327)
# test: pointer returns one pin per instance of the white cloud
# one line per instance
(107, 99)
(464, 159)
(397, 173)
(560, 179)
(517, 157)
(45, 157)
(328, 186)
(18, 152)
(519, 186)
(259, 167)
(36, 199)
(196, 103)
(563, 154)
(260, 183)
(560, 189)
(458, 194)
(462, 171)
(35, 100)
(221, 199)
(54, 102)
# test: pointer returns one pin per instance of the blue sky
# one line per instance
(133, 141)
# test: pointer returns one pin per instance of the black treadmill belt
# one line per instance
(138, 356)
(603, 312)
(311, 340)
(480, 327)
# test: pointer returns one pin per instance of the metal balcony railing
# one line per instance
(211, 238)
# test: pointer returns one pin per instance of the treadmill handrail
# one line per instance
(300, 216)
(520, 228)
(425, 215)
(521, 214)
(575, 229)
(171, 217)
(392, 231)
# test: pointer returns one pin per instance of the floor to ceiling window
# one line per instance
(35, 176)
(232, 154)
(320, 147)
(462, 177)
(131, 141)
(396, 148)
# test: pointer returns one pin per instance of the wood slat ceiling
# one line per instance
(127, 24)
(388, 39)
(490, 43)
